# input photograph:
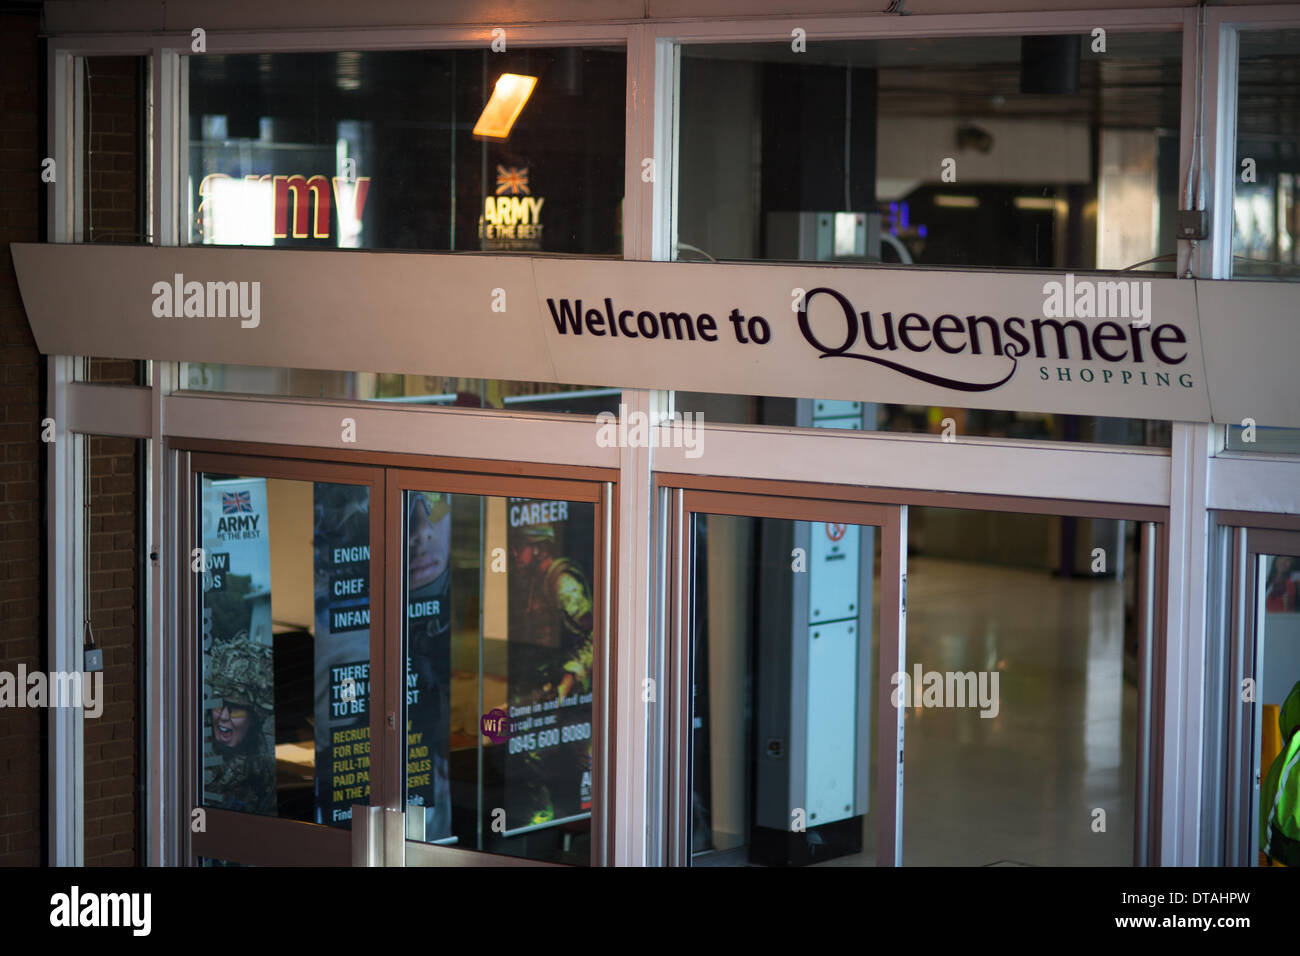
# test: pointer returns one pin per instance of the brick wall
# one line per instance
(22, 823)
(110, 741)
(112, 162)
(112, 214)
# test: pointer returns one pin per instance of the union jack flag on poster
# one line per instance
(235, 502)
(513, 180)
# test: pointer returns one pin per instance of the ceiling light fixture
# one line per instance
(504, 106)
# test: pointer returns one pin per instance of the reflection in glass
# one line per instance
(1265, 202)
(973, 151)
(377, 150)
(499, 613)
(1264, 440)
(285, 614)
(925, 419)
(1044, 609)
(401, 389)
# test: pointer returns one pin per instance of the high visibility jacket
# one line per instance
(1279, 802)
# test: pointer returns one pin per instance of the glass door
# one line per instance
(787, 632)
(1265, 794)
(282, 563)
(1018, 690)
(501, 590)
(1030, 649)
(425, 648)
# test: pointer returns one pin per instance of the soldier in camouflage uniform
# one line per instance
(555, 601)
(241, 691)
(551, 619)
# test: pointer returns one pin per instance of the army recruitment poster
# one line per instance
(428, 664)
(238, 679)
(548, 766)
(341, 547)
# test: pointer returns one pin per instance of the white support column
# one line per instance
(165, 117)
(647, 136)
(162, 717)
(66, 590)
(635, 597)
(1185, 645)
(63, 495)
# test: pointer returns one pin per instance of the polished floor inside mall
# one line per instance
(1024, 787)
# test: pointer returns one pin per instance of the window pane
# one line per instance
(1264, 440)
(499, 601)
(1265, 203)
(113, 160)
(112, 163)
(285, 617)
(379, 151)
(1009, 152)
(923, 419)
(404, 389)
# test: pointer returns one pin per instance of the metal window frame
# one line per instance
(1224, 27)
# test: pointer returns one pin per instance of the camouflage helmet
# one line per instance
(436, 505)
(240, 672)
(538, 532)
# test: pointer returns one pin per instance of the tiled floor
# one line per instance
(1020, 788)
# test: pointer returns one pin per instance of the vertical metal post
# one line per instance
(1182, 722)
(1147, 569)
(65, 613)
(893, 659)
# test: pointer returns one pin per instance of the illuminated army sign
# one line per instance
(512, 217)
(299, 205)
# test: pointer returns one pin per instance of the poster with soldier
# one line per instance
(551, 615)
(341, 563)
(238, 674)
(428, 664)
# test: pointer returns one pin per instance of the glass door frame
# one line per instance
(676, 493)
(1252, 536)
(246, 837)
(601, 495)
(264, 840)
(891, 521)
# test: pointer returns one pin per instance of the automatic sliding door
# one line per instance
(287, 639)
(1028, 643)
(502, 628)
(780, 703)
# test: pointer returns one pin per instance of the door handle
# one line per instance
(367, 835)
